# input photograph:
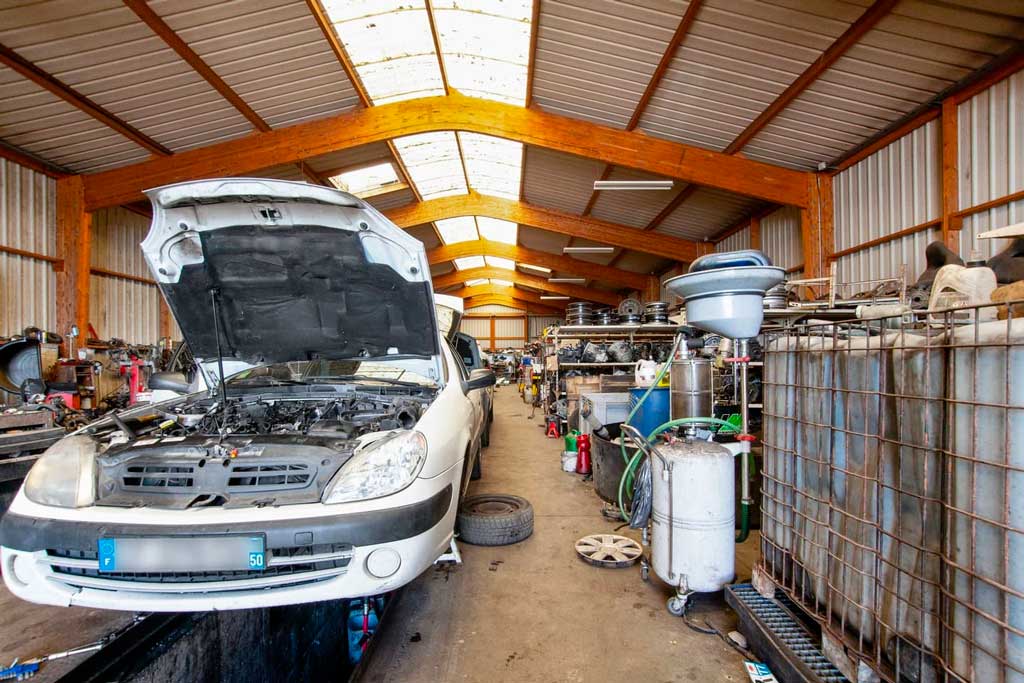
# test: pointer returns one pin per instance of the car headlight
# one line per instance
(382, 468)
(64, 475)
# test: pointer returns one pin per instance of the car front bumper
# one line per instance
(53, 561)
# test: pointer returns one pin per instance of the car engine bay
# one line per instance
(261, 449)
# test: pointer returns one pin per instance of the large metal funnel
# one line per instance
(726, 301)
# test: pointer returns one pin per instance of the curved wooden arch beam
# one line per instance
(556, 262)
(575, 291)
(452, 112)
(474, 204)
(497, 299)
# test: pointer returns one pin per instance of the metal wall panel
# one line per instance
(538, 323)
(27, 221)
(735, 242)
(991, 164)
(118, 307)
(509, 327)
(780, 237)
(493, 308)
(477, 327)
(895, 188)
(595, 57)
(124, 309)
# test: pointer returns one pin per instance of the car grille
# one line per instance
(298, 562)
(240, 476)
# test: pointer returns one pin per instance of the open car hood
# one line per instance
(295, 271)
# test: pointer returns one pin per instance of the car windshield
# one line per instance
(401, 372)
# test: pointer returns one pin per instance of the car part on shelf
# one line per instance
(630, 307)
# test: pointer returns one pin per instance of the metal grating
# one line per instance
(892, 469)
(785, 631)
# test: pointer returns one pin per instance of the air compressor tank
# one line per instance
(693, 516)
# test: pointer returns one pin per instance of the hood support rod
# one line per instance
(215, 301)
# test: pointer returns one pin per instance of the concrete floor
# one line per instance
(536, 612)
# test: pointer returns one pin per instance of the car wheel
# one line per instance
(495, 519)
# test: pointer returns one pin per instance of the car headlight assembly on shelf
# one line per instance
(384, 467)
(64, 476)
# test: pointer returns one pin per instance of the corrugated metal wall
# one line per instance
(991, 163)
(734, 242)
(119, 307)
(477, 327)
(509, 327)
(27, 221)
(539, 322)
(896, 188)
(493, 308)
(780, 237)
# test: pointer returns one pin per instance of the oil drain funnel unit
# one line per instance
(724, 293)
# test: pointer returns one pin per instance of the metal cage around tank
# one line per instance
(894, 489)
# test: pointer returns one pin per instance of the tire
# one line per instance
(495, 519)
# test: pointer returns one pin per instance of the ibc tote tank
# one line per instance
(694, 516)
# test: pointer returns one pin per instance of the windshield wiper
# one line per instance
(365, 378)
(268, 381)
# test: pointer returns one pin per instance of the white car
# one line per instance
(328, 465)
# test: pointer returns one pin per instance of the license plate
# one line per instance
(182, 554)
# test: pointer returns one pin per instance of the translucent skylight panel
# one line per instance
(486, 46)
(498, 262)
(433, 163)
(497, 230)
(500, 283)
(467, 262)
(366, 179)
(492, 164)
(461, 229)
(476, 282)
(390, 45)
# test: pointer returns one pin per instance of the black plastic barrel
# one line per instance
(607, 462)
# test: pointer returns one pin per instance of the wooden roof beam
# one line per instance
(27, 69)
(500, 300)
(474, 204)
(452, 112)
(31, 161)
(585, 293)
(511, 292)
(556, 262)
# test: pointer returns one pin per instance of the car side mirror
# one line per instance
(170, 381)
(481, 379)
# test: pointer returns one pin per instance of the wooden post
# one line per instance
(951, 223)
(165, 319)
(526, 327)
(816, 226)
(74, 242)
(492, 334)
(755, 232)
(653, 290)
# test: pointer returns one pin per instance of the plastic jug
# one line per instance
(570, 440)
(646, 371)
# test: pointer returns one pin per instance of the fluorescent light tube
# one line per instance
(568, 280)
(554, 298)
(633, 184)
(587, 250)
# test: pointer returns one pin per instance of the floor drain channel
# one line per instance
(784, 632)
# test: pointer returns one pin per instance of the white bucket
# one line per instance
(568, 461)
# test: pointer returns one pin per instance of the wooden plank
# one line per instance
(474, 204)
(457, 277)
(499, 300)
(826, 230)
(16, 62)
(884, 139)
(305, 140)
(316, 8)
(74, 242)
(103, 272)
(555, 262)
(921, 227)
(867, 21)
(512, 292)
(1000, 68)
(55, 261)
(951, 222)
(810, 234)
(991, 204)
(755, 233)
(534, 31)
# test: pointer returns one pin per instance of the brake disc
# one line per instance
(609, 550)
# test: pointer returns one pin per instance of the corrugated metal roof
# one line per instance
(271, 52)
(542, 240)
(595, 57)
(391, 200)
(639, 262)
(35, 120)
(738, 57)
(559, 181)
(102, 49)
(914, 53)
(707, 211)
(425, 234)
